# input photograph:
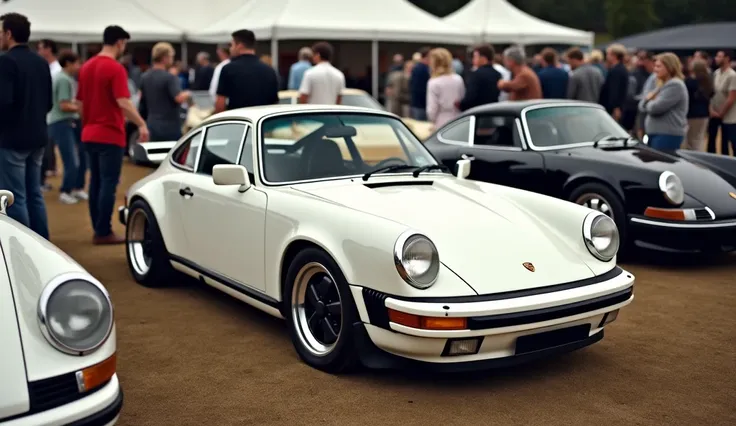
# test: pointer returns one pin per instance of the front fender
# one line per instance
(360, 243)
(588, 176)
(32, 262)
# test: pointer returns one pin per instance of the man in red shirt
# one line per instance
(105, 98)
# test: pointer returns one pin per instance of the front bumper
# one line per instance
(683, 237)
(507, 328)
(101, 408)
(123, 215)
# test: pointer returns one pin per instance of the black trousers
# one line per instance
(49, 159)
(713, 125)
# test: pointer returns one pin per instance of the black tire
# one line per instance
(343, 357)
(616, 206)
(159, 270)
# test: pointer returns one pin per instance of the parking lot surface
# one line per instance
(188, 355)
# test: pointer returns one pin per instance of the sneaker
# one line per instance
(108, 240)
(67, 198)
(80, 195)
(46, 187)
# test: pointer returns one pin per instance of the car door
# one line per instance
(500, 155)
(183, 158)
(225, 229)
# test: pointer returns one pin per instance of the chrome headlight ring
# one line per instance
(601, 236)
(672, 188)
(89, 294)
(416, 259)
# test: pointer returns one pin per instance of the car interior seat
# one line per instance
(322, 158)
(543, 133)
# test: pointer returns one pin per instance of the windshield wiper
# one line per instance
(387, 169)
(416, 172)
(625, 140)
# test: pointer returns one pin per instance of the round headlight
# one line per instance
(671, 187)
(601, 236)
(75, 314)
(417, 260)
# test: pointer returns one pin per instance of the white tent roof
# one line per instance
(84, 20)
(190, 15)
(497, 21)
(382, 20)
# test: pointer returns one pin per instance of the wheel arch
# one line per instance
(576, 181)
(293, 248)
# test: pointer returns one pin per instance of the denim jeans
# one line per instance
(20, 172)
(419, 114)
(66, 134)
(665, 142)
(105, 164)
(162, 131)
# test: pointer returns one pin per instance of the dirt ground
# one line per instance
(189, 355)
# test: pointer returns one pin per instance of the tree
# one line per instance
(626, 17)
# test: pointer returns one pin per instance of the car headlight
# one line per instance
(417, 260)
(601, 236)
(75, 313)
(671, 187)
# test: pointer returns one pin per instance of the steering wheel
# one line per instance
(385, 162)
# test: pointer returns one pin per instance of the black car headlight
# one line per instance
(601, 236)
(75, 314)
(416, 259)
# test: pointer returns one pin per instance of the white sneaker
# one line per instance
(67, 198)
(80, 195)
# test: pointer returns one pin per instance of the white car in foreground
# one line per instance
(339, 220)
(57, 335)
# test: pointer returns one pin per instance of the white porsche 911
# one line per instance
(57, 335)
(339, 220)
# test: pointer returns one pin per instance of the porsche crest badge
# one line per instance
(529, 266)
(733, 195)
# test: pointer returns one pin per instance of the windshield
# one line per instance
(301, 147)
(565, 125)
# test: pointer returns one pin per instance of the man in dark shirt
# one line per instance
(204, 72)
(552, 78)
(616, 85)
(481, 86)
(418, 86)
(246, 81)
(25, 88)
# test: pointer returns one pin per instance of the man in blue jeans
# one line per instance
(25, 88)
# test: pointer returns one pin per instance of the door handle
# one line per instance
(186, 192)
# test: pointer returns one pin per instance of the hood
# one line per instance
(14, 397)
(484, 240)
(700, 182)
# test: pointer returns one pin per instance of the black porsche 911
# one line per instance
(681, 201)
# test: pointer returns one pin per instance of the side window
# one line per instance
(186, 154)
(459, 132)
(221, 146)
(496, 130)
(246, 158)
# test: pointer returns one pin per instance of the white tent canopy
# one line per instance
(372, 20)
(83, 21)
(190, 15)
(497, 21)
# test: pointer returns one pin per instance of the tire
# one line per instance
(148, 260)
(616, 207)
(316, 350)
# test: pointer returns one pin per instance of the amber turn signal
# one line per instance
(669, 214)
(98, 374)
(427, 323)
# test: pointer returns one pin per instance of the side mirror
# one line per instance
(6, 200)
(231, 174)
(463, 168)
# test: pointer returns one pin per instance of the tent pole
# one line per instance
(75, 47)
(184, 53)
(374, 68)
(274, 52)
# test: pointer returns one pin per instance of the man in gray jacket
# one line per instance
(585, 80)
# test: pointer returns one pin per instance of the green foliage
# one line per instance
(624, 17)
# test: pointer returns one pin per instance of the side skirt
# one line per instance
(248, 295)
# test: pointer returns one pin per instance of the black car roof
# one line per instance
(515, 107)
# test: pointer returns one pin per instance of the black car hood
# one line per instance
(700, 182)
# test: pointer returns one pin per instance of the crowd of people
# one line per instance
(676, 103)
(50, 99)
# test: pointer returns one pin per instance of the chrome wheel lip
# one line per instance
(299, 314)
(137, 233)
(596, 202)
